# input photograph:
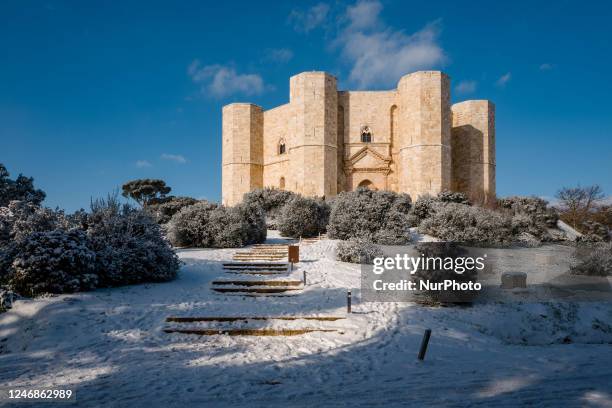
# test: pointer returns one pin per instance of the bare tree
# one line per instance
(577, 202)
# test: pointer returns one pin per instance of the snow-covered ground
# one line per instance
(109, 345)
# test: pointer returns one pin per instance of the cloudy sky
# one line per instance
(95, 94)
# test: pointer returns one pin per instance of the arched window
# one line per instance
(367, 184)
(282, 148)
(281, 183)
(366, 134)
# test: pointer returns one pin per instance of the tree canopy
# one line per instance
(21, 189)
(143, 191)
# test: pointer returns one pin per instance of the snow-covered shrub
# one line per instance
(56, 261)
(528, 230)
(594, 261)
(594, 232)
(6, 299)
(24, 218)
(382, 216)
(190, 226)
(303, 217)
(20, 189)
(534, 207)
(424, 206)
(462, 223)
(435, 272)
(255, 217)
(130, 247)
(163, 210)
(271, 200)
(6, 225)
(452, 197)
(208, 225)
(359, 251)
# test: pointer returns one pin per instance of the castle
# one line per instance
(324, 141)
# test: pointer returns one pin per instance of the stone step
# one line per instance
(189, 319)
(280, 289)
(255, 272)
(257, 264)
(247, 332)
(259, 282)
(260, 255)
(255, 269)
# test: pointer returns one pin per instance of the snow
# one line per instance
(109, 345)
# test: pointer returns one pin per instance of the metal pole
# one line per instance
(424, 344)
(348, 301)
(304, 278)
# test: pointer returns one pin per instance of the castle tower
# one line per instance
(473, 147)
(424, 163)
(242, 157)
(314, 103)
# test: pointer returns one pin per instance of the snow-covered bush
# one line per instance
(20, 189)
(6, 225)
(6, 299)
(130, 247)
(22, 218)
(528, 230)
(190, 226)
(56, 261)
(208, 225)
(163, 211)
(435, 272)
(424, 207)
(534, 207)
(462, 223)
(303, 217)
(594, 260)
(359, 251)
(255, 217)
(271, 200)
(381, 216)
(426, 204)
(447, 196)
(594, 232)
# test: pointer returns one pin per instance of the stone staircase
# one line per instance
(262, 270)
(259, 280)
(313, 240)
(263, 252)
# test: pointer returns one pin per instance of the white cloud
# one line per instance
(363, 14)
(281, 55)
(220, 80)
(174, 157)
(305, 21)
(143, 163)
(504, 79)
(546, 67)
(380, 54)
(465, 87)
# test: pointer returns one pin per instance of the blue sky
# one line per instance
(93, 94)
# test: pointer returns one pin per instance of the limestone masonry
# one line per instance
(324, 141)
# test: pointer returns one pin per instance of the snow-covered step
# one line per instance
(248, 256)
(247, 332)
(258, 282)
(191, 319)
(277, 266)
(255, 272)
(247, 289)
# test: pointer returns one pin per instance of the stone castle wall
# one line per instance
(419, 142)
